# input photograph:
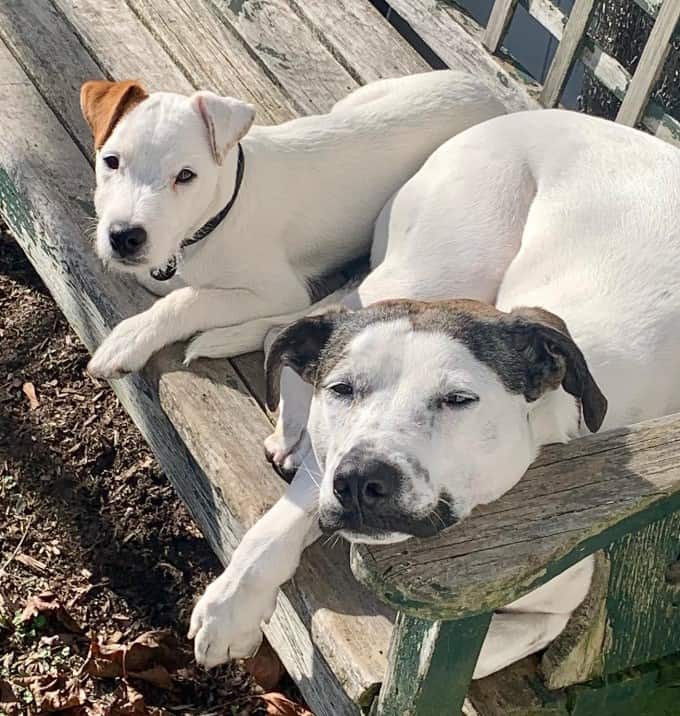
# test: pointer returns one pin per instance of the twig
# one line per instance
(10, 559)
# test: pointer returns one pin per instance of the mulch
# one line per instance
(100, 563)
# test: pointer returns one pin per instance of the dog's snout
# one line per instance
(126, 241)
(364, 485)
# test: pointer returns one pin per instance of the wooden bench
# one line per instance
(206, 425)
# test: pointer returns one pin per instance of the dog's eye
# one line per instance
(456, 400)
(341, 390)
(185, 176)
(112, 161)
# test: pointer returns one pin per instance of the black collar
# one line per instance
(169, 270)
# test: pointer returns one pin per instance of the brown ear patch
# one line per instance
(103, 104)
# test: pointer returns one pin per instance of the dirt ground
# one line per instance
(100, 563)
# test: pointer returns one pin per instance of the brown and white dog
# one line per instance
(243, 221)
(417, 412)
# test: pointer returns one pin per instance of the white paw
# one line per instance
(226, 622)
(287, 454)
(124, 350)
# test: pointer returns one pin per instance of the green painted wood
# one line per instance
(430, 665)
(643, 603)
(653, 690)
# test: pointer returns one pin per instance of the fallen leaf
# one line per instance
(29, 391)
(129, 702)
(265, 667)
(151, 657)
(279, 705)
(7, 695)
(61, 697)
(49, 606)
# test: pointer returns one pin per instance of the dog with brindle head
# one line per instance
(561, 231)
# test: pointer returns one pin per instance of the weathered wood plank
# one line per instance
(643, 618)
(606, 69)
(430, 665)
(355, 614)
(577, 499)
(566, 53)
(360, 39)
(499, 20)
(650, 64)
(457, 40)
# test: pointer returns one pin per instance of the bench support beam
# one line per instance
(430, 665)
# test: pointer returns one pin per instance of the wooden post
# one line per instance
(650, 64)
(430, 665)
(567, 52)
(500, 17)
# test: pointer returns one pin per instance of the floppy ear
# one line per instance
(554, 359)
(226, 119)
(104, 103)
(299, 347)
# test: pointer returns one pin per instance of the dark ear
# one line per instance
(299, 347)
(104, 103)
(554, 359)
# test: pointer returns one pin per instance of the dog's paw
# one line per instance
(126, 349)
(286, 457)
(226, 621)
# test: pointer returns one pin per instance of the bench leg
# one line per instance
(430, 665)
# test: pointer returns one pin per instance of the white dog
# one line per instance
(245, 221)
(421, 411)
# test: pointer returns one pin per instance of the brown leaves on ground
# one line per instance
(280, 705)
(265, 667)
(48, 606)
(150, 657)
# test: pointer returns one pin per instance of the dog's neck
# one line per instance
(224, 189)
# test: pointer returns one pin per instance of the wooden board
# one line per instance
(457, 40)
(574, 500)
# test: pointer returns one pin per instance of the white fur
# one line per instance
(311, 192)
(552, 209)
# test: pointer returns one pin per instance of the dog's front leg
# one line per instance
(175, 317)
(226, 621)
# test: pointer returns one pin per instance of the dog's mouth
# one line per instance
(392, 526)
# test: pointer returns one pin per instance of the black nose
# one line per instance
(364, 484)
(127, 241)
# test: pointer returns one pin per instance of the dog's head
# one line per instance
(158, 159)
(421, 411)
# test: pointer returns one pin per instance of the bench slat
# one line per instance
(573, 501)
(457, 40)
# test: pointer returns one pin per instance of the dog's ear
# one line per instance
(104, 103)
(299, 347)
(226, 119)
(554, 359)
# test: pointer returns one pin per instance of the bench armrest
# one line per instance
(574, 500)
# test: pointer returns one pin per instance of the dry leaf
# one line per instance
(61, 696)
(29, 392)
(151, 657)
(8, 699)
(129, 702)
(48, 605)
(265, 667)
(279, 705)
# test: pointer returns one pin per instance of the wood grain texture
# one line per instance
(650, 64)
(576, 499)
(360, 39)
(497, 25)
(567, 52)
(643, 607)
(457, 40)
(430, 665)
(353, 660)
